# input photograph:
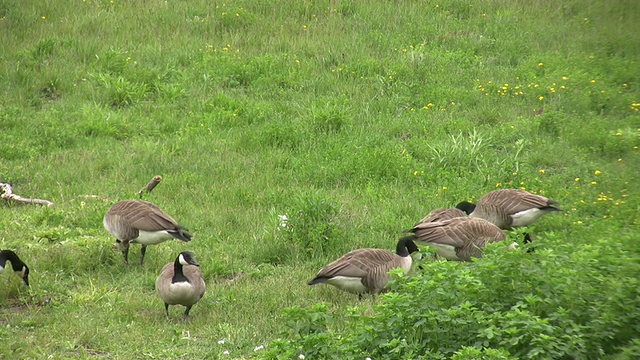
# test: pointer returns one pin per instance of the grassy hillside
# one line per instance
(352, 118)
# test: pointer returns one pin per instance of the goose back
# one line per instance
(366, 270)
(459, 238)
(126, 219)
(509, 208)
(443, 214)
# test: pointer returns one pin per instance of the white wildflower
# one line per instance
(260, 347)
(220, 342)
(283, 220)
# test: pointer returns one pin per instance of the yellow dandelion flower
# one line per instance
(593, 81)
(536, 86)
(514, 174)
(625, 85)
(562, 87)
(541, 171)
(237, 15)
(444, 188)
(594, 183)
(390, 78)
(304, 27)
(415, 173)
(619, 160)
(597, 172)
(540, 64)
(565, 78)
(499, 185)
(44, 18)
(412, 110)
(541, 98)
(576, 179)
(579, 222)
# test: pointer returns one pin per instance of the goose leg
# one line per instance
(186, 312)
(125, 251)
(166, 308)
(142, 252)
(527, 240)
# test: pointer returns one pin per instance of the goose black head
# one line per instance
(466, 206)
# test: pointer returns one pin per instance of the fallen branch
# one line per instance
(7, 194)
(150, 185)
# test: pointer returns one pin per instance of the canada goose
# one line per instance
(443, 214)
(181, 283)
(510, 208)
(21, 269)
(137, 221)
(457, 239)
(366, 270)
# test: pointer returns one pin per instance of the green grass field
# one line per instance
(353, 118)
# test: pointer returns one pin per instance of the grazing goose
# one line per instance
(510, 208)
(181, 283)
(21, 269)
(443, 214)
(137, 221)
(366, 270)
(457, 239)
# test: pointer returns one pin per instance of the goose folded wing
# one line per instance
(441, 232)
(154, 222)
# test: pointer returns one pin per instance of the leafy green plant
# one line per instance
(122, 92)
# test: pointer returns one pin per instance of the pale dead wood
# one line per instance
(7, 194)
(150, 185)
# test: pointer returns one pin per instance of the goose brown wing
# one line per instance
(146, 216)
(443, 214)
(458, 232)
(164, 279)
(440, 232)
(512, 201)
(356, 263)
(481, 232)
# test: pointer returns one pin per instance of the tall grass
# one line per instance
(352, 118)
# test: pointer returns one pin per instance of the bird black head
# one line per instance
(187, 258)
(466, 206)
